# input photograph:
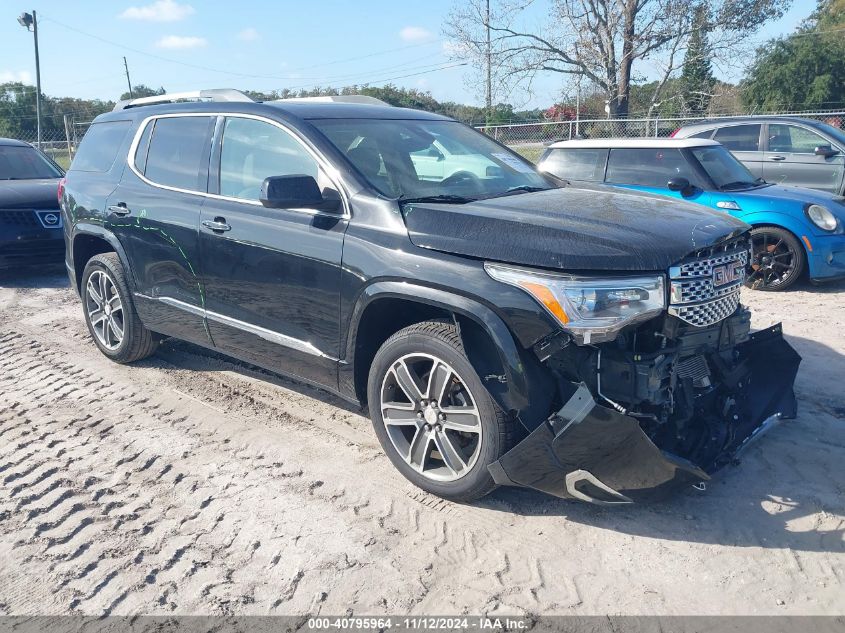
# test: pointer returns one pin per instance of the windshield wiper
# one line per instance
(517, 190)
(737, 184)
(446, 198)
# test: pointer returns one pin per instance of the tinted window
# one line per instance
(791, 138)
(646, 167)
(99, 146)
(739, 138)
(178, 152)
(143, 147)
(254, 150)
(576, 164)
(25, 163)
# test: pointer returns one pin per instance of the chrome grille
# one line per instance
(705, 288)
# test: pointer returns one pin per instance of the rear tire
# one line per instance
(777, 259)
(110, 312)
(432, 415)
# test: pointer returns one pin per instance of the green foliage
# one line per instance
(805, 70)
(411, 98)
(697, 80)
(140, 90)
(18, 112)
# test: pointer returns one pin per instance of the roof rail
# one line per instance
(216, 94)
(361, 99)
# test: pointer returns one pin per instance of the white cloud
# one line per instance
(181, 42)
(415, 34)
(159, 11)
(249, 35)
(22, 76)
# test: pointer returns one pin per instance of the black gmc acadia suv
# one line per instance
(502, 327)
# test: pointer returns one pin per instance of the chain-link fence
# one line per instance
(529, 139)
(60, 145)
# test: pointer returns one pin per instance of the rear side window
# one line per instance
(100, 145)
(739, 138)
(179, 151)
(647, 167)
(576, 164)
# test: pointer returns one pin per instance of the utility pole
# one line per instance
(28, 20)
(577, 95)
(128, 81)
(489, 95)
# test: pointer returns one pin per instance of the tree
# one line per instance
(697, 80)
(601, 40)
(804, 70)
(140, 90)
(18, 113)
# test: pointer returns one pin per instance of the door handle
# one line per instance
(218, 225)
(119, 209)
(777, 157)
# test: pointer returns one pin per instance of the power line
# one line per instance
(375, 81)
(229, 72)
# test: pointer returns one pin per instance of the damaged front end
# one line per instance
(664, 405)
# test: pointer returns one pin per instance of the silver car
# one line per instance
(785, 150)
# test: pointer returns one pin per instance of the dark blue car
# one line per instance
(30, 220)
(796, 230)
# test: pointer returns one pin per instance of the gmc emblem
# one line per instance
(733, 271)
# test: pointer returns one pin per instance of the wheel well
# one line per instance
(384, 317)
(84, 248)
(380, 320)
(805, 273)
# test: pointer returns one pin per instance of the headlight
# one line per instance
(821, 217)
(592, 309)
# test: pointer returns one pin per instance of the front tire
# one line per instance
(432, 415)
(777, 259)
(110, 312)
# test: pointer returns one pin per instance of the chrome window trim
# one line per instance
(330, 171)
(268, 335)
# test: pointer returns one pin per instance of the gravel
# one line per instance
(192, 484)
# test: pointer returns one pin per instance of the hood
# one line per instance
(777, 194)
(29, 194)
(572, 229)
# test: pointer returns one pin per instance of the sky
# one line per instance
(256, 44)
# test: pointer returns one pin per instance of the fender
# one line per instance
(515, 397)
(796, 226)
(98, 230)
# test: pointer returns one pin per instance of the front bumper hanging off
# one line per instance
(594, 453)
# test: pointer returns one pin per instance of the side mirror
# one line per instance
(679, 184)
(436, 153)
(295, 192)
(825, 150)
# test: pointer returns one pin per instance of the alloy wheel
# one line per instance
(772, 261)
(104, 309)
(431, 417)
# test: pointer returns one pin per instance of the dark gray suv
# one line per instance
(780, 149)
(501, 328)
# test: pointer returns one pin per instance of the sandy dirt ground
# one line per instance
(191, 484)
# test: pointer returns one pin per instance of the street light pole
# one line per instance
(28, 20)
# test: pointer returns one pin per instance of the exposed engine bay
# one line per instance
(665, 403)
(684, 384)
